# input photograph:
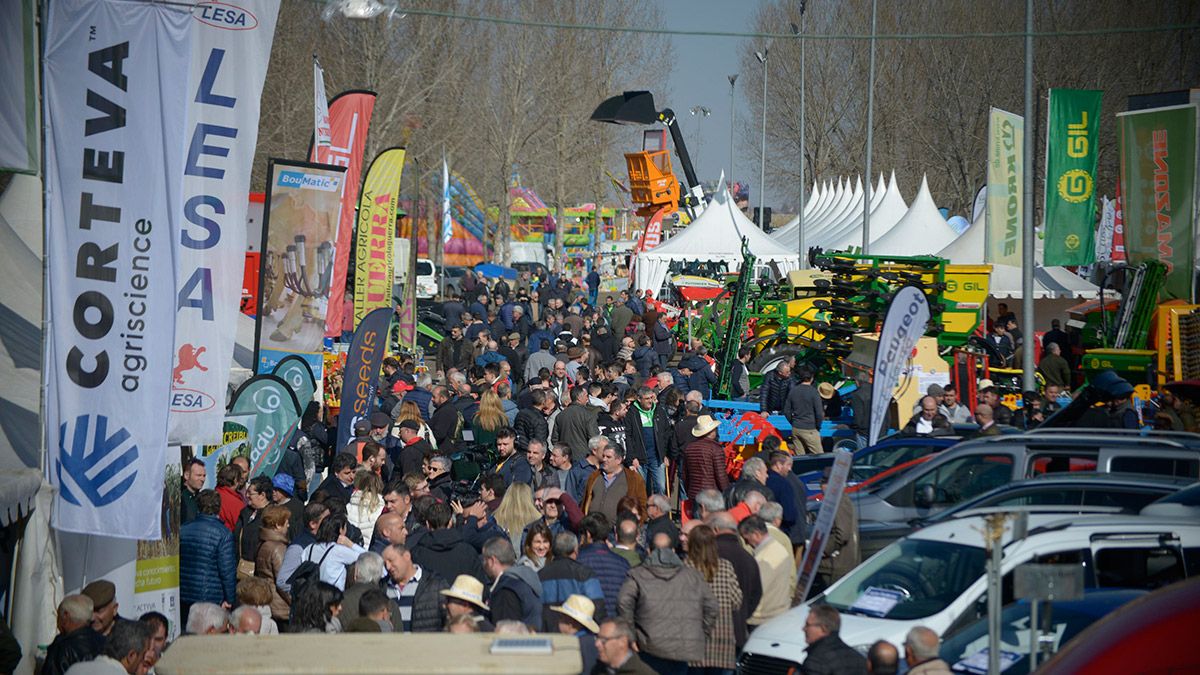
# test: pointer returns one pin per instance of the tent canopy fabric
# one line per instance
(715, 236)
(922, 231)
(885, 213)
(1048, 282)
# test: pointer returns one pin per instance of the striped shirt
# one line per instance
(404, 595)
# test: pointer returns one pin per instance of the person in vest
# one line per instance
(516, 592)
(612, 481)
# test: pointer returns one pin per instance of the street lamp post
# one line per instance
(800, 229)
(762, 168)
(866, 235)
(732, 116)
(699, 111)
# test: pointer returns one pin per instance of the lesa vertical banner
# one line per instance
(1158, 191)
(903, 325)
(361, 377)
(300, 224)
(375, 238)
(115, 110)
(1071, 153)
(230, 51)
(1004, 210)
(349, 118)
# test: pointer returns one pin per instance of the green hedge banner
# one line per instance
(1071, 139)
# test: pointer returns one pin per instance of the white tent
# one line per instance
(1048, 282)
(843, 220)
(854, 215)
(885, 213)
(716, 236)
(922, 230)
(845, 200)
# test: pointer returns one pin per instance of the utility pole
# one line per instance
(800, 229)
(732, 117)
(866, 234)
(762, 168)
(1027, 242)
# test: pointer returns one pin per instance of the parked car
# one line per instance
(871, 461)
(935, 577)
(1077, 492)
(1060, 622)
(1183, 504)
(977, 466)
(454, 276)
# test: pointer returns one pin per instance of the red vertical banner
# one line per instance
(1118, 242)
(349, 118)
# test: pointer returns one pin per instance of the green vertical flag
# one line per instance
(1158, 187)
(1071, 140)
(1005, 188)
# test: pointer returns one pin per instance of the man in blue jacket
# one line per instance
(207, 561)
(516, 592)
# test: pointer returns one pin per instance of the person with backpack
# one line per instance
(327, 559)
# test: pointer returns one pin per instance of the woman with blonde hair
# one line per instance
(720, 646)
(409, 410)
(516, 511)
(489, 419)
(366, 503)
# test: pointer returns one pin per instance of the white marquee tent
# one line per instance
(885, 213)
(716, 236)
(922, 230)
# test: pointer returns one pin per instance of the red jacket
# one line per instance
(704, 467)
(231, 506)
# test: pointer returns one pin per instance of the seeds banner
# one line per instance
(1071, 145)
(361, 378)
(374, 247)
(230, 50)
(1158, 191)
(1005, 184)
(115, 111)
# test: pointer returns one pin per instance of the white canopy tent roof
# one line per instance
(716, 236)
(845, 198)
(922, 230)
(888, 211)
(847, 218)
(1048, 282)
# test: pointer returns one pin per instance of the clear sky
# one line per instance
(700, 67)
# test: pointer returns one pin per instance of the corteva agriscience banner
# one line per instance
(1071, 153)
(300, 229)
(1005, 181)
(1158, 191)
(230, 50)
(375, 236)
(115, 111)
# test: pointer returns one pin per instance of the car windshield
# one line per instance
(911, 579)
(968, 647)
(878, 460)
(424, 269)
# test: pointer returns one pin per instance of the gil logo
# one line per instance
(1072, 242)
(1075, 186)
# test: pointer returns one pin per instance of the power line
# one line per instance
(1163, 28)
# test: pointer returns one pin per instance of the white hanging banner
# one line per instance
(322, 132)
(115, 111)
(231, 45)
(902, 327)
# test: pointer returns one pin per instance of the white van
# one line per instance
(935, 577)
(427, 279)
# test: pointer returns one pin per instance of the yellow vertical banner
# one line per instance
(378, 205)
(1005, 185)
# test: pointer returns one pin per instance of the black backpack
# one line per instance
(307, 573)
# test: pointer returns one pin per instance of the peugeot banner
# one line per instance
(230, 49)
(276, 416)
(115, 111)
(902, 327)
(362, 371)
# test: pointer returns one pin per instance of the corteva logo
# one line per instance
(310, 181)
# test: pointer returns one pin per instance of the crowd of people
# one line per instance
(553, 473)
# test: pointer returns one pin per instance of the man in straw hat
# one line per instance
(704, 459)
(576, 618)
(465, 599)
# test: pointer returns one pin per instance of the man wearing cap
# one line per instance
(701, 378)
(704, 459)
(465, 598)
(413, 448)
(417, 592)
(103, 603)
(576, 358)
(576, 424)
(284, 495)
(511, 351)
(576, 617)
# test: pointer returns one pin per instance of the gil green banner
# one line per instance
(1158, 186)
(1071, 144)
(1005, 187)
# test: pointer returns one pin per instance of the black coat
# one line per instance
(773, 393)
(82, 644)
(429, 605)
(664, 435)
(531, 424)
(444, 424)
(831, 656)
(445, 553)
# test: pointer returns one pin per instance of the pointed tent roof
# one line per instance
(922, 230)
(885, 213)
(714, 236)
(851, 221)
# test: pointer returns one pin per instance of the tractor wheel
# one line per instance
(769, 358)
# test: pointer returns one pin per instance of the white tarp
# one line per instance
(1048, 282)
(922, 230)
(716, 236)
(890, 208)
(116, 104)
